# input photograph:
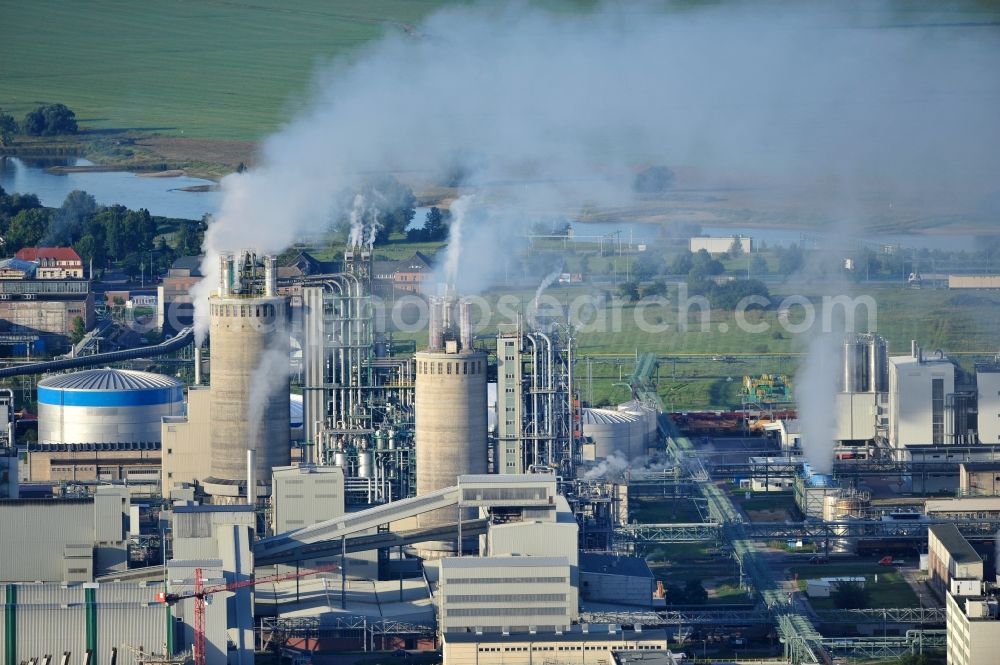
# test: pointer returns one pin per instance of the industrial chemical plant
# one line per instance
(461, 496)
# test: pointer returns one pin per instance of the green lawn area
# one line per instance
(891, 590)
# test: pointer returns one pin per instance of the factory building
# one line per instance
(249, 381)
(450, 408)
(720, 244)
(921, 391)
(64, 540)
(186, 440)
(41, 620)
(618, 580)
(304, 495)
(979, 479)
(37, 315)
(988, 402)
(973, 610)
(174, 306)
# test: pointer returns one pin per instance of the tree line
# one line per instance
(105, 236)
(44, 120)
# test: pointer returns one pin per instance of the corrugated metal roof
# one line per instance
(606, 417)
(109, 379)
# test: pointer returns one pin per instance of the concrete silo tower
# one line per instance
(450, 410)
(249, 385)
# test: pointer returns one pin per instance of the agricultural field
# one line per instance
(204, 70)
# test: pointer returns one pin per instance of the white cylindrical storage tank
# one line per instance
(450, 427)
(106, 406)
(614, 431)
(646, 413)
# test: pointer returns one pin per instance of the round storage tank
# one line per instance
(106, 406)
(614, 431)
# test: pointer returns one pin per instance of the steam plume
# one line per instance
(459, 209)
(552, 111)
(269, 378)
(612, 466)
(546, 283)
(815, 392)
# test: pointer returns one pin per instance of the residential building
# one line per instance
(402, 277)
(53, 262)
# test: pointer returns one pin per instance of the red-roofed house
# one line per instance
(53, 262)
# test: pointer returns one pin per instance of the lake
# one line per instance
(161, 196)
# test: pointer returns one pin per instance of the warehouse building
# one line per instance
(950, 557)
(621, 580)
(42, 620)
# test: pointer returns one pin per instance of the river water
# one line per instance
(161, 196)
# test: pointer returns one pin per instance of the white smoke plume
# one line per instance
(612, 466)
(815, 391)
(553, 111)
(546, 283)
(268, 379)
(459, 209)
(357, 221)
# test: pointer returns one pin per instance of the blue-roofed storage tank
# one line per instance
(106, 406)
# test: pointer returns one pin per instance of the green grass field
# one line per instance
(219, 70)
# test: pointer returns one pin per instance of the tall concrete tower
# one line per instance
(249, 385)
(450, 411)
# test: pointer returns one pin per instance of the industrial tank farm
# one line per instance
(106, 406)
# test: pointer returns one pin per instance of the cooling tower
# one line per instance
(450, 437)
(249, 383)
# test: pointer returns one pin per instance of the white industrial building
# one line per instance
(720, 244)
(498, 594)
(64, 540)
(918, 399)
(988, 398)
(973, 613)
